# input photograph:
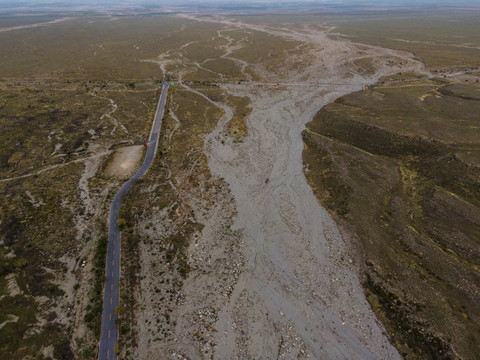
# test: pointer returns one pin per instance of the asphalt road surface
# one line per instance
(109, 332)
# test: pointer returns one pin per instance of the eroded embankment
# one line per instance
(403, 172)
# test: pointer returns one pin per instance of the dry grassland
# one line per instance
(442, 40)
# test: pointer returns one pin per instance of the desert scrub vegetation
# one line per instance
(41, 128)
(217, 70)
(19, 20)
(124, 51)
(236, 127)
(37, 213)
(102, 51)
(231, 55)
(44, 127)
(47, 218)
(399, 165)
(207, 59)
(228, 68)
(40, 214)
(266, 50)
(131, 111)
(36, 232)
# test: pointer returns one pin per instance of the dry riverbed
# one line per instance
(270, 275)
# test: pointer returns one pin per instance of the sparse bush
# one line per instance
(119, 310)
(20, 262)
(121, 223)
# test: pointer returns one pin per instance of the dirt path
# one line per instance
(278, 281)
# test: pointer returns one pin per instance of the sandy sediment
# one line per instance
(276, 280)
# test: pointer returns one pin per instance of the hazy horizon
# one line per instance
(272, 3)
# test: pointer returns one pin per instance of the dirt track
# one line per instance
(281, 282)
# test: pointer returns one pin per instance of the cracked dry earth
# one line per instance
(271, 276)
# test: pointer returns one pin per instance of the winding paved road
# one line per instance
(109, 332)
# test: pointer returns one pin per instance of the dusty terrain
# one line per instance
(124, 161)
(270, 276)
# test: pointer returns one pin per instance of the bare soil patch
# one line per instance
(124, 161)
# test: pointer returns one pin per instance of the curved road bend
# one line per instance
(109, 331)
